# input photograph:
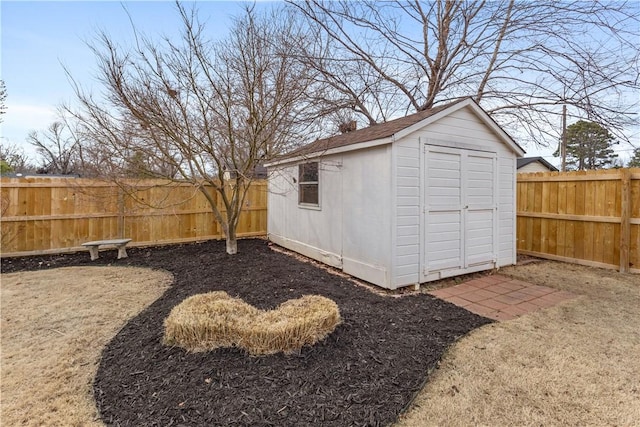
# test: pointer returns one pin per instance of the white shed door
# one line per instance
(460, 215)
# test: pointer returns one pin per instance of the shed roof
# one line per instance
(384, 131)
(371, 133)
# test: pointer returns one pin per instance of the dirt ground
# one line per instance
(574, 364)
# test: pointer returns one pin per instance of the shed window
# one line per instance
(308, 184)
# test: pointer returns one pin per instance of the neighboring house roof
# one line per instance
(38, 175)
(387, 132)
(524, 161)
(259, 172)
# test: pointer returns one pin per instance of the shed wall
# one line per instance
(406, 221)
(462, 128)
(367, 214)
(314, 232)
(350, 229)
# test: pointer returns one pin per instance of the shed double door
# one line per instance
(460, 212)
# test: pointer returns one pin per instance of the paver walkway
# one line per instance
(501, 298)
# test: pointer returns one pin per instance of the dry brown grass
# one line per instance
(574, 364)
(208, 321)
(54, 326)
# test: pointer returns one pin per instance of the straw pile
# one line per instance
(208, 321)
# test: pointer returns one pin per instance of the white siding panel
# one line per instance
(506, 209)
(408, 192)
(407, 250)
(405, 274)
(316, 233)
(409, 259)
(463, 126)
(407, 240)
(405, 221)
(411, 172)
(366, 191)
(408, 211)
(444, 236)
(411, 230)
(406, 262)
(408, 201)
(406, 181)
(442, 253)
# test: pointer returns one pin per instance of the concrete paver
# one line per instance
(501, 298)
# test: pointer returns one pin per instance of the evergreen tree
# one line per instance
(635, 160)
(5, 167)
(589, 146)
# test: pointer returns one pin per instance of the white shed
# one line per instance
(416, 199)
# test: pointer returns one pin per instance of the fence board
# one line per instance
(54, 215)
(587, 217)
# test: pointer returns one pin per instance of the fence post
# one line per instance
(120, 213)
(625, 220)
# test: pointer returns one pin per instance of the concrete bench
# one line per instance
(120, 244)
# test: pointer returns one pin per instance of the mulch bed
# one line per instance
(365, 373)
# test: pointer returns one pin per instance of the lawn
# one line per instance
(54, 325)
(572, 364)
(365, 373)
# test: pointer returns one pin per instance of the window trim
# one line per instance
(304, 205)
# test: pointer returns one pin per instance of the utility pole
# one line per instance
(563, 144)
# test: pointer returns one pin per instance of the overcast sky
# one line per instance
(39, 38)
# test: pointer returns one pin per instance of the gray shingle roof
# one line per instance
(371, 133)
(524, 161)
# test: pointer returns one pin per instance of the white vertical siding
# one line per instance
(506, 209)
(280, 187)
(465, 127)
(314, 232)
(407, 211)
(366, 251)
(480, 227)
(443, 210)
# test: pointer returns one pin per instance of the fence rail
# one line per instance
(590, 218)
(586, 217)
(54, 215)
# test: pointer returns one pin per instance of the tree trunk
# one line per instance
(232, 242)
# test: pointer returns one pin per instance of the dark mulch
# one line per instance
(365, 373)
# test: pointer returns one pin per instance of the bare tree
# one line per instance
(201, 108)
(3, 99)
(520, 60)
(14, 159)
(59, 147)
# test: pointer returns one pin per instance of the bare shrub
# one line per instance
(208, 321)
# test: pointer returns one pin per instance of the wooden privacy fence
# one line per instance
(587, 217)
(53, 215)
